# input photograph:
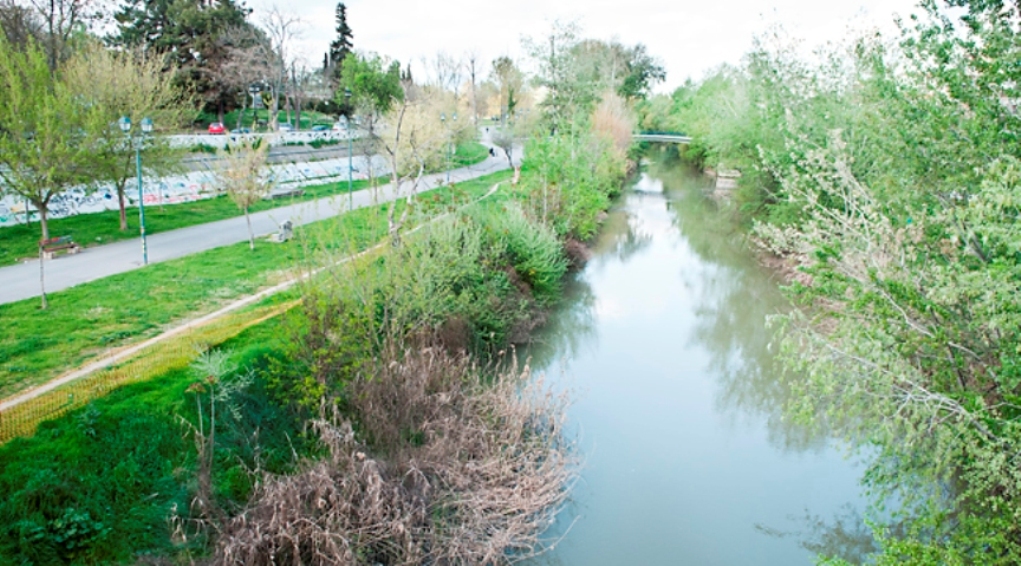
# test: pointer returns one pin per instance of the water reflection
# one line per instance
(736, 298)
(688, 459)
(845, 535)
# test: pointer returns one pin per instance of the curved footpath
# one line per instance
(18, 282)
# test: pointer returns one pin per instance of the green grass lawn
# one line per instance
(85, 320)
(20, 241)
(469, 153)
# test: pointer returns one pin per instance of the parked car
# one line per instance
(243, 131)
(320, 128)
(285, 127)
(217, 128)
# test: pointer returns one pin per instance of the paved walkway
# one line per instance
(18, 282)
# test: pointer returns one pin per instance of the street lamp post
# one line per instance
(125, 124)
(347, 127)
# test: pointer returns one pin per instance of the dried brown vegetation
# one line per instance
(434, 467)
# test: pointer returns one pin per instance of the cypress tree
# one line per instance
(340, 47)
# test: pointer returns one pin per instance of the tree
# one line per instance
(20, 24)
(127, 83)
(472, 66)
(566, 96)
(191, 34)
(243, 177)
(341, 46)
(48, 134)
(250, 63)
(444, 71)
(282, 29)
(643, 71)
(509, 80)
(62, 20)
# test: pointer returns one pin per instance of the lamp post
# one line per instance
(125, 124)
(347, 127)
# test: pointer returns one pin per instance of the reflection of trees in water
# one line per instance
(846, 536)
(572, 324)
(619, 238)
(736, 298)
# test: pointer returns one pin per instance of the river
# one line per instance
(687, 458)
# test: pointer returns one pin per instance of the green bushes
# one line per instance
(570, 181)
(888, 176)
(472, 282)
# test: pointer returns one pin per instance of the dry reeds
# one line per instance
(443, 469)
(613, 121)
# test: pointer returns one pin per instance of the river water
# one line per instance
(686, 455)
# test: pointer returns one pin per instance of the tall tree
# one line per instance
(283, 29)
(341, 46)
(192, 34)
(61, 20)
(472, 66)
(509, 79)
(566, 96)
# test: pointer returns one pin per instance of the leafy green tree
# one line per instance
(192, 35)
(643, 71)
(48, 133)
(127, 83)
(374, 83)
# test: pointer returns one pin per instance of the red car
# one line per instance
(217, 128)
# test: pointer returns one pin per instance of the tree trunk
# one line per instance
(251, 235)
(42, 277)
(43, 221)
(275, 110)
(122, 205)
(241, 114)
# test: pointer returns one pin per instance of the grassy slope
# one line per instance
(120, 466)
(82, 321)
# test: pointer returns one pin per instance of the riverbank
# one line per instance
(464, 283)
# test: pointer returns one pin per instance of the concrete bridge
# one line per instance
(662, 137)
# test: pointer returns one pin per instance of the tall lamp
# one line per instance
(137, 141)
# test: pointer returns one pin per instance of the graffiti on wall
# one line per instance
(177, 189)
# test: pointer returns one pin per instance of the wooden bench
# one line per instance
(54, 246)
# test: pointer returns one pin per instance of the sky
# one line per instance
(689, 37)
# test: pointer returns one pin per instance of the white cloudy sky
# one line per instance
(688, 36)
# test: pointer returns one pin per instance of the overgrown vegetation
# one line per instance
(887, 174)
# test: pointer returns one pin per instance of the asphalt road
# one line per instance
(18, 282)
